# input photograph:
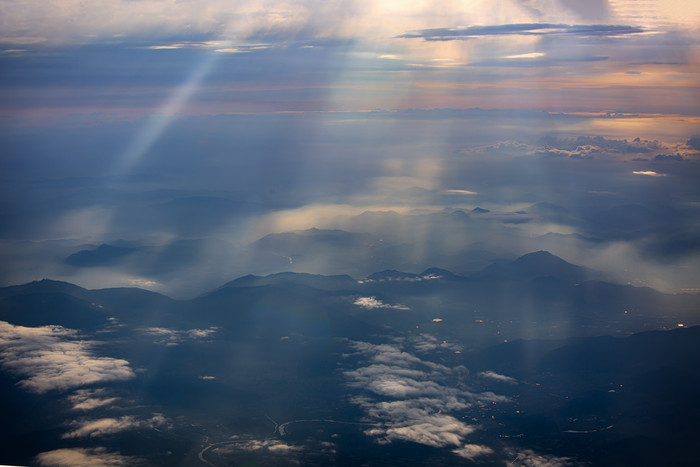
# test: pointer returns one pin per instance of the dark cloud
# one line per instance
(668, 158)
(527, 29)
(694, 143)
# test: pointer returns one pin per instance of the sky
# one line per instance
(186, 131)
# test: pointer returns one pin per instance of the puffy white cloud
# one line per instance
(433, 430)
(84, 457)
(53, 358)
(423, 396)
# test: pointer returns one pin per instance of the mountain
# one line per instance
(306, 369)
(318, 281)
(290, 242)
(47, 302)
(536, 265)
(537, 295)
(43, 286)
(103, 255)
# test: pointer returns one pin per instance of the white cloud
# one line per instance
(108, 426)
(433, 430)
(429, 343)
(648, 173)
(372, 303)
(53, 358)
(529, 458)
(84, 457)
(270, 445)
(87, 399)
(169, 336)
(413, 399)
(471, 451)
(460, 192)
(498, 377)
(527, 55)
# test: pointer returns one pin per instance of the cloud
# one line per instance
(529, 458)
(523, 29)
(471, 451)
(648, 173)
(435, 430)
(272, 447)
(424, 343)
(171, 337)
(268, 445)
(599, 146)
(400, 278)
(498, 377)
(694, 143)
(372, 303)
(109, 426)
(525, 56)
(89, 399)
(410, 398)
(52, 358)
(668, 158)
(84, 457)
(460, 192)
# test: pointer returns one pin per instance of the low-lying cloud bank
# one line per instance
(412, 399)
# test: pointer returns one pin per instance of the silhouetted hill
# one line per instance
(534, 265)
(103, 255)
(291, 242)
(312, 280)
(478, 210)
(43, 286)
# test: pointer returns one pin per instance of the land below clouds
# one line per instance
(534, 359)
(537, 295)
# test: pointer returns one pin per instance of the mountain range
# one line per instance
(534, 359)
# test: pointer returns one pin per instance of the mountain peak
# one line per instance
(536, 264)
(540, 257)
(479, 210)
